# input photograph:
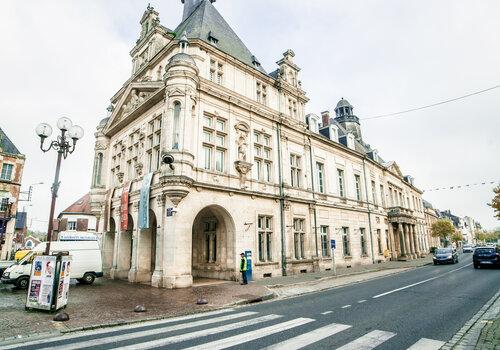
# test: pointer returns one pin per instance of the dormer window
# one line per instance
(261, 93)
(255, 62)
(212, 39)
(216, 71)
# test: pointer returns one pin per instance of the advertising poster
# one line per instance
(41, 282)
(144, 202)
(124, 207)
(63, 287)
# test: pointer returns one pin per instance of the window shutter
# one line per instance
(82, 225)
(63, 225)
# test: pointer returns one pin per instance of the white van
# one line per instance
(86, 262)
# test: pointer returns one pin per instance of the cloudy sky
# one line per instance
(67, 58)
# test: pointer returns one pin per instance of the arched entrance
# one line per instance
(125, 250)
(108, 246)
(146, 254)
(213, 250)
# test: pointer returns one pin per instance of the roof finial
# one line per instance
(183, 42)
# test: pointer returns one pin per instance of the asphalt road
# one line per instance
(418, 309)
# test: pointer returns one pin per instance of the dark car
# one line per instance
(486, 256)
(445, 256)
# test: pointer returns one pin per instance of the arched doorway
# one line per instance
(108, 246)
(147, 250)
(125, 254)
(213, 249)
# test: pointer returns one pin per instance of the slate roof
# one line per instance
(6, 144)
(206, 20)
(81, 206)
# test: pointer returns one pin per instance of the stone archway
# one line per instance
(125, 250)
(146, 250)
(108, 247)
(213, 244)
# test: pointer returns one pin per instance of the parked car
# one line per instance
(468, 248)
(86, 262)
(486, 256)
(445, 256)
(5, 264)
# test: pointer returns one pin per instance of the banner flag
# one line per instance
(144, 202)
(124, 207)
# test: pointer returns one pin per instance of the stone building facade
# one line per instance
(246, 169)
(11, 173)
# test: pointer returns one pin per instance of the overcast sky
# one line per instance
(67, 58)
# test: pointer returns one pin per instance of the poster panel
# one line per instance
(64, 278)
(124, 207)
(41, 282)
(144, 202)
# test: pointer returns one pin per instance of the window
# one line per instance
(152, 145)
(346, 241)
(265, 234)
(7, 171)
(340, 174)
(176, 126)
(71, 226)
(295, 170)
(210, 233)
(216, 72)
(382, 195)
(362, 235)
(374, 193)
(4, 204)
(262, 157)
(261, 93)
(379, 241)
(325, 249)
(98, 169)
(357, 180)
(298, 238)
(214, 143)
(320, 169)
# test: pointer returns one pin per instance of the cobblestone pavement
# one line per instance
(113, 302)
(490, 336)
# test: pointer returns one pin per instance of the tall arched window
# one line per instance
(176, 131)
(98, 169)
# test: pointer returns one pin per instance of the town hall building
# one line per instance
(206, 155)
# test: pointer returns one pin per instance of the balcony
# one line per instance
(401, 215)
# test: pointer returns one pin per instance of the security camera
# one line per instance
(168, 159)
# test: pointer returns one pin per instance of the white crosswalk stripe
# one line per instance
(427, 344)
(226, 329)
(306, 339)
(368, 341)
(249, 336)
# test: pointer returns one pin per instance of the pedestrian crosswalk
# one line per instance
(226, 329)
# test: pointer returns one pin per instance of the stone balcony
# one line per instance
(401, 215)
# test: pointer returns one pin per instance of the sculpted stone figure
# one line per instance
(242, 148)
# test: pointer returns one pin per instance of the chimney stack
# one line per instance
(325, 118)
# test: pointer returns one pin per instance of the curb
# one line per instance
(257, 299)
(472, 328)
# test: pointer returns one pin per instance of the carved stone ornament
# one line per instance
(242, 130)
(120, 176)
(100, 146)
(138, 168)
(243, 168)
(135, 100)
(176, 187)
(160, 200)
(135, 206)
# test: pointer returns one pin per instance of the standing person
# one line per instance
(243, 268)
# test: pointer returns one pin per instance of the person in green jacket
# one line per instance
(243, 268)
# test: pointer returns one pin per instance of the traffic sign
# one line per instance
(332, 244)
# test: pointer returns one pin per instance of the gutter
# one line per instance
(282, 200)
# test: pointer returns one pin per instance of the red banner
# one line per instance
(124, 207)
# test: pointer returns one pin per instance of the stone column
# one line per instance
(409, 249)
(390, 241)
(411, 238)
(116, 248)
(132, 274)
(156, 279)
(417, 241)
(402, 242)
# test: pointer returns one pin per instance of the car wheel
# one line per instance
(476, 266)
(435, 263)
(88, 278)
(23, 282)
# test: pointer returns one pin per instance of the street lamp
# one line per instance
(64, 145)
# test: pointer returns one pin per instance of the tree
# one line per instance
(442, 228)
(495, 202)
(456, 237)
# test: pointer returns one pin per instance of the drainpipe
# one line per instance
(314, 198)
(282, 199)
(369, 212)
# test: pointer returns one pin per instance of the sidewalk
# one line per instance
(112, 302)
(482, 332)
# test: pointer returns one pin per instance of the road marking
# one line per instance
(427, 344)
(202, 333)
(326, 312)
(309, 338)
(118, 328)
(128, 336)
(361, 301)
(346, 306)
(249, 336)
(417, 283)
(368, 341)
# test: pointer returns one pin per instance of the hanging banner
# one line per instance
(144, 202)
(124, 207)
(63, 287)
(40, 290)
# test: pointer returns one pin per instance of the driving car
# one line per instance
(468, 248)
(486, 256)
(445, 256)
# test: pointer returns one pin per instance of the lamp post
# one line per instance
(64, 145)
